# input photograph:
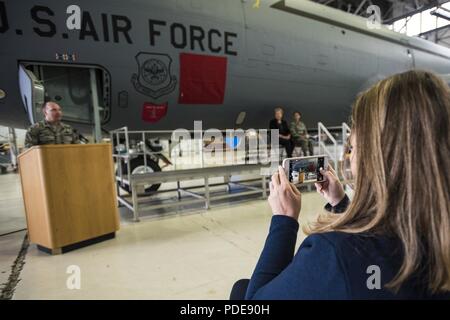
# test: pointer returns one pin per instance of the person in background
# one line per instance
(284, 133)
(300, 135)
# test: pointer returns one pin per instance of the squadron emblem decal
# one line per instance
(154, 78)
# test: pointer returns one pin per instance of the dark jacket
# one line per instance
(282, 127)
(332, 265)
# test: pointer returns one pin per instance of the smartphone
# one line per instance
(305, 169)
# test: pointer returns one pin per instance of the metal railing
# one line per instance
(130, 144)
(345, 133)
(332, 150)
(128, 151)
(323, 148)
(140, 203)
(122, 156)
(123, 137)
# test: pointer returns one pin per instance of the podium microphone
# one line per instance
(81, 137)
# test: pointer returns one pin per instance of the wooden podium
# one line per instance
(69, 194)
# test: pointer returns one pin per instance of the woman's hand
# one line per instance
(284, 199)
(331, 189)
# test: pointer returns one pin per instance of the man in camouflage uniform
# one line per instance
(300, 135)
(51, 130)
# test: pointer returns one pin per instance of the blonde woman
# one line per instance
(392, 241)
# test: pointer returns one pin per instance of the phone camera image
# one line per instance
(305, 170)
(320, 164)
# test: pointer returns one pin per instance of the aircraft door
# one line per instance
(32, 92)
(83, 92)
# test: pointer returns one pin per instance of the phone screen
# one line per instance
(303, 170)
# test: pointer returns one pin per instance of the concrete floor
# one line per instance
(12, 212)
(184, 256)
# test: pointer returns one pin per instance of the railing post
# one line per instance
(333, 155)
(319, 138)
(207, 195)
(264, 187)
(127, 145)
(144, 150)
(134, 197)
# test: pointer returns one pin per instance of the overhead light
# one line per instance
(441, 12)
(2, 94)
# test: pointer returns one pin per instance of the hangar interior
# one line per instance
(175, 252)
(426, 19)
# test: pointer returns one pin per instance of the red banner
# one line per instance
(202, 79)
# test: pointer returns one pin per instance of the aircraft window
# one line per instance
(123, 99)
